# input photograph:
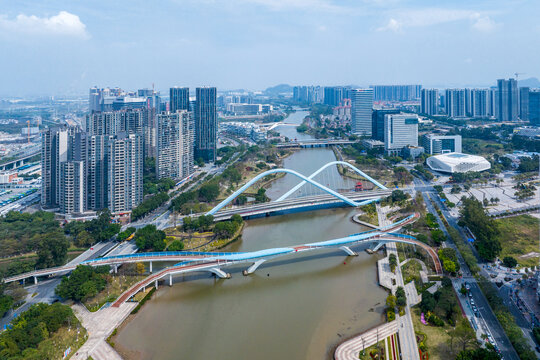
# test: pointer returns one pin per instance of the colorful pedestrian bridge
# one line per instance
(192, 261)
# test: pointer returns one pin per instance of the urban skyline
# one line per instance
(258, 33)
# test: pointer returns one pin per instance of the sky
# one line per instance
(52, 47)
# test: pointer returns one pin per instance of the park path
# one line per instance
(99, 326)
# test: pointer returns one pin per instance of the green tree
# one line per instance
(52, 250)
(473, 215)
(509, 261)
(401, 298)
(391, 301)
(209, 192)
(176, 245)
(392, 260)
(463, 336)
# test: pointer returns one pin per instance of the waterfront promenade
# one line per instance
(99, 326)
(403, 325)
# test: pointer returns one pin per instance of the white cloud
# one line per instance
(436, 16)
(484, 24)
(64, 24)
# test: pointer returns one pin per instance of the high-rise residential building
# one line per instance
(455, 103)
(534, 107)
(73, 187)
(396, 92)
(468, 102)
(481, 103)
(377, 122)
(308, 94)
(54, 151)
(507, 104)
(361, 108)
(492, 102)
(96, 171)
(439, 144)
(429, 101)
(205, 124)
(334, 95)
(524, 103)
(113, 122)
(400, 130)
(179, 99)
(174, 145)
(124, 172)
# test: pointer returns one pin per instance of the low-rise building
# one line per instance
(457, 163)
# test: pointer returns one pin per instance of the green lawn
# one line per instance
(436, 337)
(482, 147)
(519, 237)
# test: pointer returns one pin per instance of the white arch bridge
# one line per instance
(329, 195)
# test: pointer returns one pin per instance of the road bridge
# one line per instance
(298, 204)
(314, 143)
(304, 180)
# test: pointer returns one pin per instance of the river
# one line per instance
(296, 307)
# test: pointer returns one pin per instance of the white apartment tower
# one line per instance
(400, 130)
(175, 145)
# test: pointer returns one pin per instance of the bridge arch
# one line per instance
(344, 163)
(274, 171)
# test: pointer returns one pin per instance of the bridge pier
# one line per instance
(156, 284)
(115, 267)
(170, 279)
(348, 251)
(150, 267)
(220, 273)
(252, 268)
(35, 280)
(378, 246)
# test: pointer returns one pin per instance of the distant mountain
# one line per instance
(279, 89)
(530, 82)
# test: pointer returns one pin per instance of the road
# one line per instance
(44, 290)
(486, 313)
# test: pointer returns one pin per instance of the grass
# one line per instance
(373, 348)
(482, 147)
(63, 339)
(116, 285)
(202, 242)
(436, 337)
(519, 237)
(411, 272)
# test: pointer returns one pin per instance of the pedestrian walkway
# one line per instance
(350, 349)
(99, 326)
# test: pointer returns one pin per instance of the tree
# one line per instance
(52, 250)
(473, 215)
(478, 354)
(401, 299)
(149, 237)
(176, 245)
(463, 335)
(209, 192)
(391, 301)
(509, 262)
(449, 266)
(261, 197)
(392, 259)
(84, 239)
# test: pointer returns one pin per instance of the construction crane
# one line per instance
(517, 75)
